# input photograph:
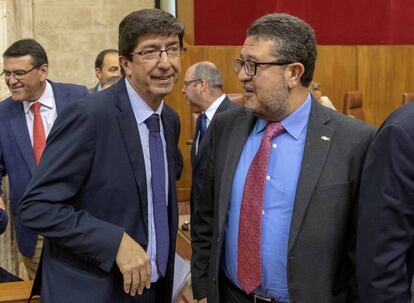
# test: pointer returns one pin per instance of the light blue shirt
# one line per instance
(142, 112)
(285, 160)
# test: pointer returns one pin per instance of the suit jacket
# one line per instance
(385, 242)
(3, 220)
(94, 89)
(199, 160)
(320, 267)
(89, 189)
(16, 153)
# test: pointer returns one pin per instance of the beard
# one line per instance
(271, 105)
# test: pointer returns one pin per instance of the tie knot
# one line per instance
(273, 129)
(35, 107)
(153, 123)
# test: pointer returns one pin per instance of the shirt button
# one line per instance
(274, 145)
(267, 178)
(263, 212)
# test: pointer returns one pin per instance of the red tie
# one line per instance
(250, 225)
(39, 138)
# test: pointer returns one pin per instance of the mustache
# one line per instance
(249, 87)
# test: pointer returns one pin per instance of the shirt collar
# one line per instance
(46, 99)
(211, 110)
(141, 109)
(295, 122)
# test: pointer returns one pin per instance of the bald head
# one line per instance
(202, 84)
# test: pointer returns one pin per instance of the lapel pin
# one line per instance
(325, 138)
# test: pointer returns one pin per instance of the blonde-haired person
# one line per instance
(315, 89)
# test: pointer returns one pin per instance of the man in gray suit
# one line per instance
(203, 88)
(276, 218)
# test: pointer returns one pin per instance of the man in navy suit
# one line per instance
(203, 88)
(25, 72)
(104, 195)
(385, 238)
(106, 66)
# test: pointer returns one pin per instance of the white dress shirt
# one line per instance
(210, 112)
(47, 111)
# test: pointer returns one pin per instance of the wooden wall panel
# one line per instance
(185, 13)
(336, 71)
(384, 73)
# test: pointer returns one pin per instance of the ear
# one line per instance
(126, 65)
(203, 86)
(98, 73)
(295, 73)
(44, 71)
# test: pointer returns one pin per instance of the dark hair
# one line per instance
(101, 56)
(26, 47)
(293, 40)
(146, 21)
(208, 72)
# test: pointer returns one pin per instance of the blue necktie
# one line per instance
(158, 192)
(203, 126)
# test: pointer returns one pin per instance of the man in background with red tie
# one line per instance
(275, 221)
(26, 119)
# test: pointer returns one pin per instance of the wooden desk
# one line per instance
(16, 292)
(184, 239)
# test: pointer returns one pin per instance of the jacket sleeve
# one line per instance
(49, 203)
(3, 220)
(386, 217)
(202, 228)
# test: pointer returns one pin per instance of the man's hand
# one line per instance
(203, 300)
(2, 204)
(134, 264)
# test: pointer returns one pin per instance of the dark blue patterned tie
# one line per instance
(203, 126)
(158, 192)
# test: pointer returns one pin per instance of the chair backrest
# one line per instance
(353, 105)
(407, 97)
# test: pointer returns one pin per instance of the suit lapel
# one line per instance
(61, 97)
(204, 143)
(241, 130)
(170, 145)
(318, 140)
(193, 146)
(21, 133)
(130, 133)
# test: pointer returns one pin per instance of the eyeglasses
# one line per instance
(250, 66)
(187, 83)
(18, 74)
(155, 54)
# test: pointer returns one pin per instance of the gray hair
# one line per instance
(208, 72)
